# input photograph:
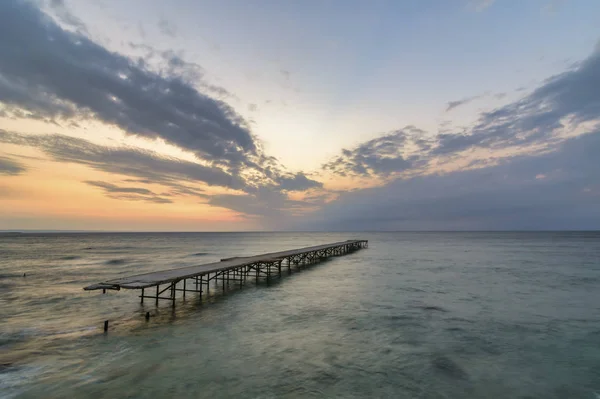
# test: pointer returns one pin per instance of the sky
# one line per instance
(319, 115)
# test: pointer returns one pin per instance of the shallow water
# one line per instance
(416, 315)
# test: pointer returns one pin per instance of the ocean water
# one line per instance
(416, 315)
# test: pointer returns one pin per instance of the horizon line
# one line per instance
(58, 231)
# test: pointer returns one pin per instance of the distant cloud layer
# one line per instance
(124, 160)
(129, 193)
(556, 190)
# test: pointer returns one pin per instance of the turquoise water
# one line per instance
(416, 315)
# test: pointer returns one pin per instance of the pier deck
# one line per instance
(227, 270)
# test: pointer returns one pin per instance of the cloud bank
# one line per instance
(556, 190)
(56, 74)
(533, 175)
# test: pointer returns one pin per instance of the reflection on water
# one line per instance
(428, 315)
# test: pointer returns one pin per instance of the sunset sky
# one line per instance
(148, 115)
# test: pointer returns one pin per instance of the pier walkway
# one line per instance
(228, 270)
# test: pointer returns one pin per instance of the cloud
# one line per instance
(297, 182)
(10, 167)
(501, 191)
(455, 104)
(129, 193)
(126, 161)
(504, 196)
(567, 99)
(53, 73)
(394, 152)
(111, 188)
(269, 201)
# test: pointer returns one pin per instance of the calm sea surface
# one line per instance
(416, 315)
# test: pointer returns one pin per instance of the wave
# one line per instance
(449, 367)
(200, 254)
(433, 308)
(11, 275)
(71, 257)
(115, 262)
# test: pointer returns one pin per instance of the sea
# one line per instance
(415, 315)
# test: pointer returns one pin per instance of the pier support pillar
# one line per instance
(173, 292)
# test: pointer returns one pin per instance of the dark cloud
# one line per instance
(455, 104)
(129, 193)
(136, 197)
(10, 167)
(555, 190)
(53, 73)
(126, 161)
(297, 182)
(393, 152)
(111, 188)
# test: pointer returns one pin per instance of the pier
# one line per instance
(164, 284)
